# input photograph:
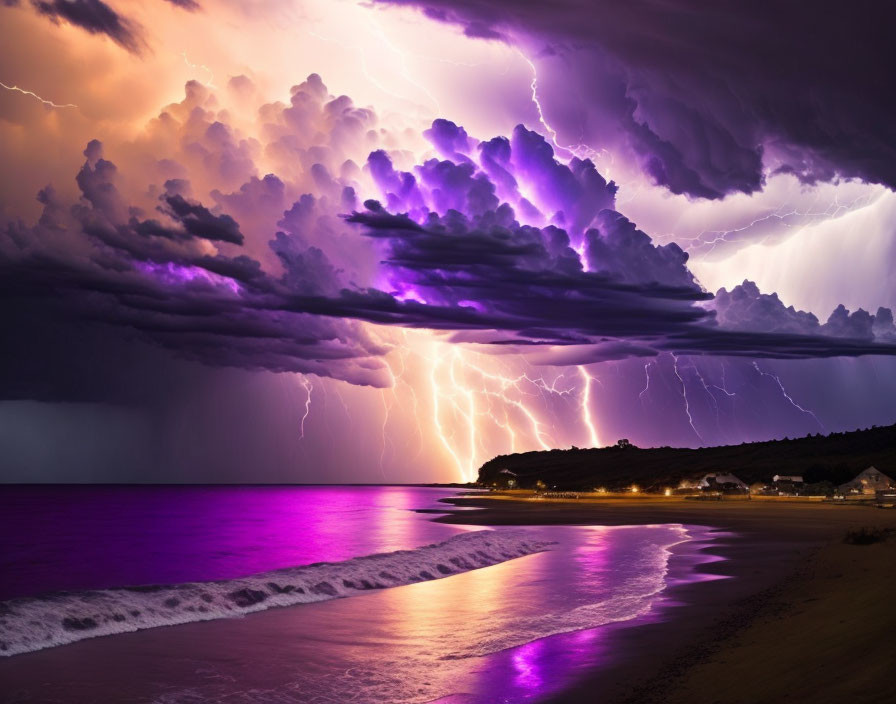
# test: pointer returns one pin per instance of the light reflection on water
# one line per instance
(55, 538)
(519, 631)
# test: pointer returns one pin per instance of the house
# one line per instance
(726, 483)
(787, 478)
(869, 481)
(787, 483)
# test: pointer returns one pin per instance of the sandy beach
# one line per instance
(804, 617)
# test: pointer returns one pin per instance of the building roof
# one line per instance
(870, 480)
(787, 478)
(721, 479)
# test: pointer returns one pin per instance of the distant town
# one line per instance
(857, 466)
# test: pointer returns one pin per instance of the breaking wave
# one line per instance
(30, 624)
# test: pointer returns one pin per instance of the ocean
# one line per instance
(312, 594)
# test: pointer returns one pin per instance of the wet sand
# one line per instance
(805, 617)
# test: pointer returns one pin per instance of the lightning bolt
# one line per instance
(712, 396)
(684, 395)
(646, 383)
(586, 407)
(48, 103)
(404, 65)
(787, 396)
(468, 397)
(784, 215)
(581, 151)
(306, 384)
(200, 67)
(466, 469)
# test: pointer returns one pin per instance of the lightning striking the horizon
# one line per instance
(586, 407)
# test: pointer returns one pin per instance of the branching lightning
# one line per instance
(468, 396)
(785, 216)
(787, 396)
(200, 67)
(582, 151)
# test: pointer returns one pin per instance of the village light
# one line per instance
(668, 492)
(634, 488)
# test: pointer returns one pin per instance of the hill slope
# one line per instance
(834, 458)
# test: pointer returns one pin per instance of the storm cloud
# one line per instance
(96, 17)
(708, 98)
(454, 255)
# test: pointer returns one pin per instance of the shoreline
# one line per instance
(787, 604)
(776, 556)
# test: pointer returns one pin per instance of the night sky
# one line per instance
(286, 241)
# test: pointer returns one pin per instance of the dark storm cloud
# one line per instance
(701, 92)
(198, 220)
(96, 17)
(453, 257)
(100, 263)
(485, 275)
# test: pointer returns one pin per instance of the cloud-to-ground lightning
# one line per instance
(586, 407)
(470, 394)
(48, 103)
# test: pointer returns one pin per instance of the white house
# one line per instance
(711, 481)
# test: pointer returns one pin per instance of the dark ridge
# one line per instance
(823, 460)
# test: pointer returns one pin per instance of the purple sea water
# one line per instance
(516, 614)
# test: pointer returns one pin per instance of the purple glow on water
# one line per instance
(519, 631)
(88, 537)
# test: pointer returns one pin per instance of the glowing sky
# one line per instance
(341, 241)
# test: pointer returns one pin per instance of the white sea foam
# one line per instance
(31, 624)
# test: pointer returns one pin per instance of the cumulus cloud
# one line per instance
(746, 308)
(190, 246)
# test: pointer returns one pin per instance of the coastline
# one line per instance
(726, 640)
(703, 640)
